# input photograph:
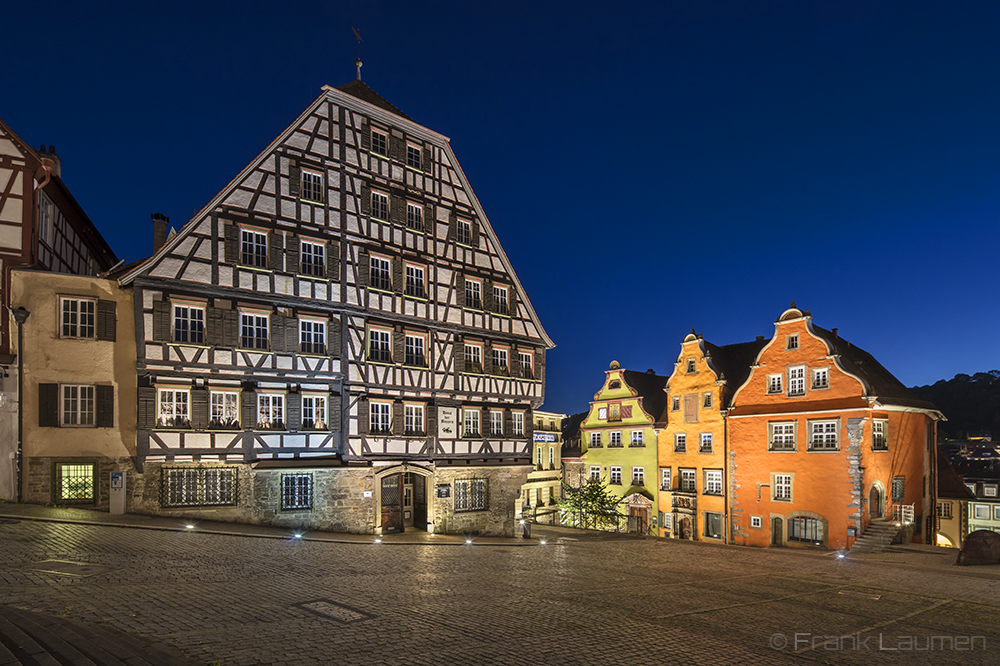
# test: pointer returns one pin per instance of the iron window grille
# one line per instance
(78, 318)
(379, 346)
(312, 186)
(189, 324)
(471, 495)
(75, 482)
(253, 248)
(312, 259)
(212, 486)
(296, 491)
(898, 484)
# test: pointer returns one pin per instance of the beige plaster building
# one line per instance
(540, 494)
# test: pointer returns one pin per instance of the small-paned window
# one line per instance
(637, 438)
(412, 156)
(616, 476)
(380, 142)
(944, 510)
(380, 275)
(665, 480)
(616, 438)
(880, 441)
(638, 476)
(792, 341)
(595, 440)
(415, 281)
(312, 259)
(821, 378)
(78, 317)
(525, 362)
(774, 384)
(77, 405)
(473, 358)
(713, 482)
(805, 529)
(296, 491)
(690, 365)
(75, 482)
(797, 380)
(782, 436)
(518, 424)
(379, 346)
(471, 495)
(312, 336)
(782, 488)
(380, 419)
(312, 186)
(595, 472)
(253, 330)
(823, 435)
(415, 351)
(898, 486)
(680, 442)
(270, 411)
(499, 361)
(706, 443)
(380, 205)
(756, 522)
(496, 429)
(253, 248)
(473, 295)
(500, 300)
(675, 404)
(413, 419)
(173, 408)
(189, 324)
(471, 422)
(415, 217)
(224, 410)
(688, 481)
(706, 400)
(314, 412)
(463, 232)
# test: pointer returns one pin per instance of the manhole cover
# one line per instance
(335, 611)
(67, 568)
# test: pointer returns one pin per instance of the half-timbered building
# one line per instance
(338, 340)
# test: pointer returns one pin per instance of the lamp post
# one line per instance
(20, 316)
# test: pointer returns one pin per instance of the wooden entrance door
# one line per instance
(685, 528)
(638, 519)
(419, 502)
(392, 503)
(777, 531)
(875, 503)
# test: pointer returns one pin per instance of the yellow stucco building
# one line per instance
(541, 493)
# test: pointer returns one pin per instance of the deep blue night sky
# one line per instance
(648, 167)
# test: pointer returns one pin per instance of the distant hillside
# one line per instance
(971, 403)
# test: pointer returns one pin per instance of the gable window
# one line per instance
(414, 281)
(774, 384)
(463, 232)
(616, 476)
(380, 142)
(199, 487)
(312, 186)
(525, 361)
(224, 409)
(414, 217)
(77, 405)
(499, 361)
(296, 491)
(253, 330)
(312, 259)
(792, 341)
(637, 438)
(782, 436)
(500, 300)
(314, 412)
(471, 422)
(821, 378)
(75, 482)
(944, 510)
(470, 495)
(879, 440)
(412, 156)
(78, 317)
(595, 472)
(823, 435)
(898, 485)
(797, 380)
(706, 443)
(688, 482)
(380, 205)
(638, 476)
(496, 429)
(473, 358)
(602, 413)
(380, 275)
(189, 324)
(270, 411)
(380, 421)
(413, 419)
(680, 443)
(595, 440)
(713, 482)
(379, 346)
(473, 294)
(415, 351)
(675, 404)
(517, 424)
(706, 400)
(690, 365)
(253, 248)
(173, 408)
(616, 438)
(312, 336)
(665, 479)
(781, 487)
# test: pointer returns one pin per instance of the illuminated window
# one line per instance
(173, 408)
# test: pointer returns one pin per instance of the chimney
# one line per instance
(51, 155)
(160, 222)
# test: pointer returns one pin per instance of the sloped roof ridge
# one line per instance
(734, 360)
(363, 91)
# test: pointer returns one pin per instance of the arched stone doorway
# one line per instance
(876, 502)
(402, 498)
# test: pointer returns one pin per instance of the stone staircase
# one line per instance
(877, 537)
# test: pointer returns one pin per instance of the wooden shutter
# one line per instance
(161, 321)
(458, 353)
(512, 301)
(397, 275)
(488, 295)
(508, 423)
(398, 345)
(431, 413)
(691, 408)
(540, 364)
(48, 405)
(249, 399)
(366, 200)
(199, 408)
(475, 232)
(397, 148)
(294, 179)
(333, 336)
(276, 255)
(366, 135)
(397, 418)
(335, 411)
(529, 425)
(514, 362)
(460, 288)
(397, 210)
(293, 339)
(292, 254)
(146, 417)
(427, 158)
(106, 320)
(452, 226)
(293, 411)
(429, 221)
(230, 328)
(213, 326)
(364, 267)
(333, 261)
(484, 422)
(364, 418)
(487, 358)
(104, 395)
(232, 242)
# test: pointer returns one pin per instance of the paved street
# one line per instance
(579, 599)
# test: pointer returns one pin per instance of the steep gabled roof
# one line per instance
(650, 389)
(734, 361)
(950, 483)
(360, 89)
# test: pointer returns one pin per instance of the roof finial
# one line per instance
(793, 300)
(357, 61)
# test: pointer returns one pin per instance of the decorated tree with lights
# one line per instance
(593, 505)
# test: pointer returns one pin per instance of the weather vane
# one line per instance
(357, 63)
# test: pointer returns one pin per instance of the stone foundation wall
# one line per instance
(39, 479)
(498, 520)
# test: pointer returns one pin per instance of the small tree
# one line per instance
(592, 506)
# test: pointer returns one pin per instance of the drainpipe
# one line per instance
(20, 316)
(725, 476)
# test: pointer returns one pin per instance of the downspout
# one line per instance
(20, 316)
(725, 472)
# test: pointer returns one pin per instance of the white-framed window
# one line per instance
(189, 324)
(880, 440)
(75, 482)
(312, 336)
(518, 424)
(413, 419)
(667, 521)
(595, 440)
(680, 442)
(675, 403)
(665, 479)
(821, 378)
(470, 495)
(296, 491)
(944, 510)
(797, 380)
(414, 216)
(496, 428)
(774, 384)
(823, 435)
(380, 205)
(173, 407)
(78, 404)
(463, 232)
(312, 186)
(616, 438)
(981, 511)
(500, 299)
(78, 317)
(538, 456)
(253, 330)
(781, 487)
(637, 438)
(312, 258)
(270, 411)
(224, 409)
(706, 443)
(380, 418)
(380, 143)
(688, 480)
(314, 414)
(525, 362)
(414, 348)
(782, 436)
(253, 248)
(691, 366)
(552, 458)
(792, 341)
(500, 357)
(989, 490)
(471, 420)
(713, 482)
(756, 522)
(415, 281)
(473, 358)
(595, 472)
(473, 294)
(380, 273)
(602, 413)
(616, 476)
(706, 400)
(379, 345)
(638, 476)
(413, 156)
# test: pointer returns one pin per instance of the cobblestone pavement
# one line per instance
(581, 598)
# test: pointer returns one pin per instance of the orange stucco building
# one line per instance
(823, 440)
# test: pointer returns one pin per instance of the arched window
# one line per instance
(809, 530)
